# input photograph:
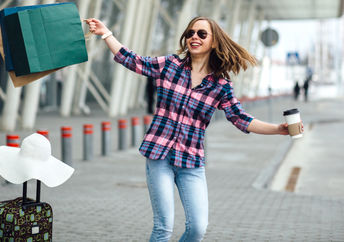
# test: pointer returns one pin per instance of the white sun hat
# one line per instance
(33, 161)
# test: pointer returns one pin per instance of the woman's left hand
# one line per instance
(283, 129)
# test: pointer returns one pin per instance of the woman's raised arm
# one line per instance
(148, 66)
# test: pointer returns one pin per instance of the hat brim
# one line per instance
(17, 169)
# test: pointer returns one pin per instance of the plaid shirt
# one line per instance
(182, 112)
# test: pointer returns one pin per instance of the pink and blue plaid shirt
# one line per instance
(182, 113)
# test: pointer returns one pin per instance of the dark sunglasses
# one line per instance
(201, 33)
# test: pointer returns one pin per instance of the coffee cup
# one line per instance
(292, 117)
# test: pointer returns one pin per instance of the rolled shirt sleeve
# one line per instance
(148, 66)
(233, 110)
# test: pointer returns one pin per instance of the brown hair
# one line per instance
(227, 55)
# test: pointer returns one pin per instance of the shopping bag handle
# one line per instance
(89, 34)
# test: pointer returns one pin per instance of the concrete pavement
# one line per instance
(107, 199)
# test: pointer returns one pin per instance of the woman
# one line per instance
(189, 91)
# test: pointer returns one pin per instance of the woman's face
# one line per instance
(199, 39)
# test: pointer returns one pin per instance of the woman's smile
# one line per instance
(195, 45)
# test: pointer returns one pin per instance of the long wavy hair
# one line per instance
(227, 55)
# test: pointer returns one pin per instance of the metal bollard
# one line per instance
(122, 134)
(44, 132)
(12, 140)
(66, 144)
(88, 142)
(106, 138)
(146, 122)
(135, 134)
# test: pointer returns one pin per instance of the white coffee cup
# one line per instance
(292, 117)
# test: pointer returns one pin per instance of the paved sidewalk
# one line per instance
(107, 199)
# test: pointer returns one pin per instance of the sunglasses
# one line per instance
(201, 33)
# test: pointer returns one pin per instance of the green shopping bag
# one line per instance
(45, 38)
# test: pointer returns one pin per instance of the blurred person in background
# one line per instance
(305, 87)
(150, 95)
(296, 91)
(306, 83)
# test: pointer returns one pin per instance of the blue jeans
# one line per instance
(192, 187)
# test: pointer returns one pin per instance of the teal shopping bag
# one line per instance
(45, 38)
(8, 11)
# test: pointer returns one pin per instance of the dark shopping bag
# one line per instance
(8, 11)
(19, 81)
(25, 219)
(46, 38)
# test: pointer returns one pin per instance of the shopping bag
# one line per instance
(19, 81)
(8, 11)
(45, 38)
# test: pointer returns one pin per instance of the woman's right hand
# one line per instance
(96, 26)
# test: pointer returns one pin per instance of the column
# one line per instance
(10, 111)
(68, 85)
(119, 75)
(187, 12)
(30, 105)
(68, 90)
(145, 29)
(233, 18)
(247, 81)
(250, 25)
(79, 104)
(216, 13)
(147, 48)
(257, 78)
(137, 37)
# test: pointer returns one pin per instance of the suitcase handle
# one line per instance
(38, 192)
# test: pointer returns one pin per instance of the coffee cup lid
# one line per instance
(290, 112)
